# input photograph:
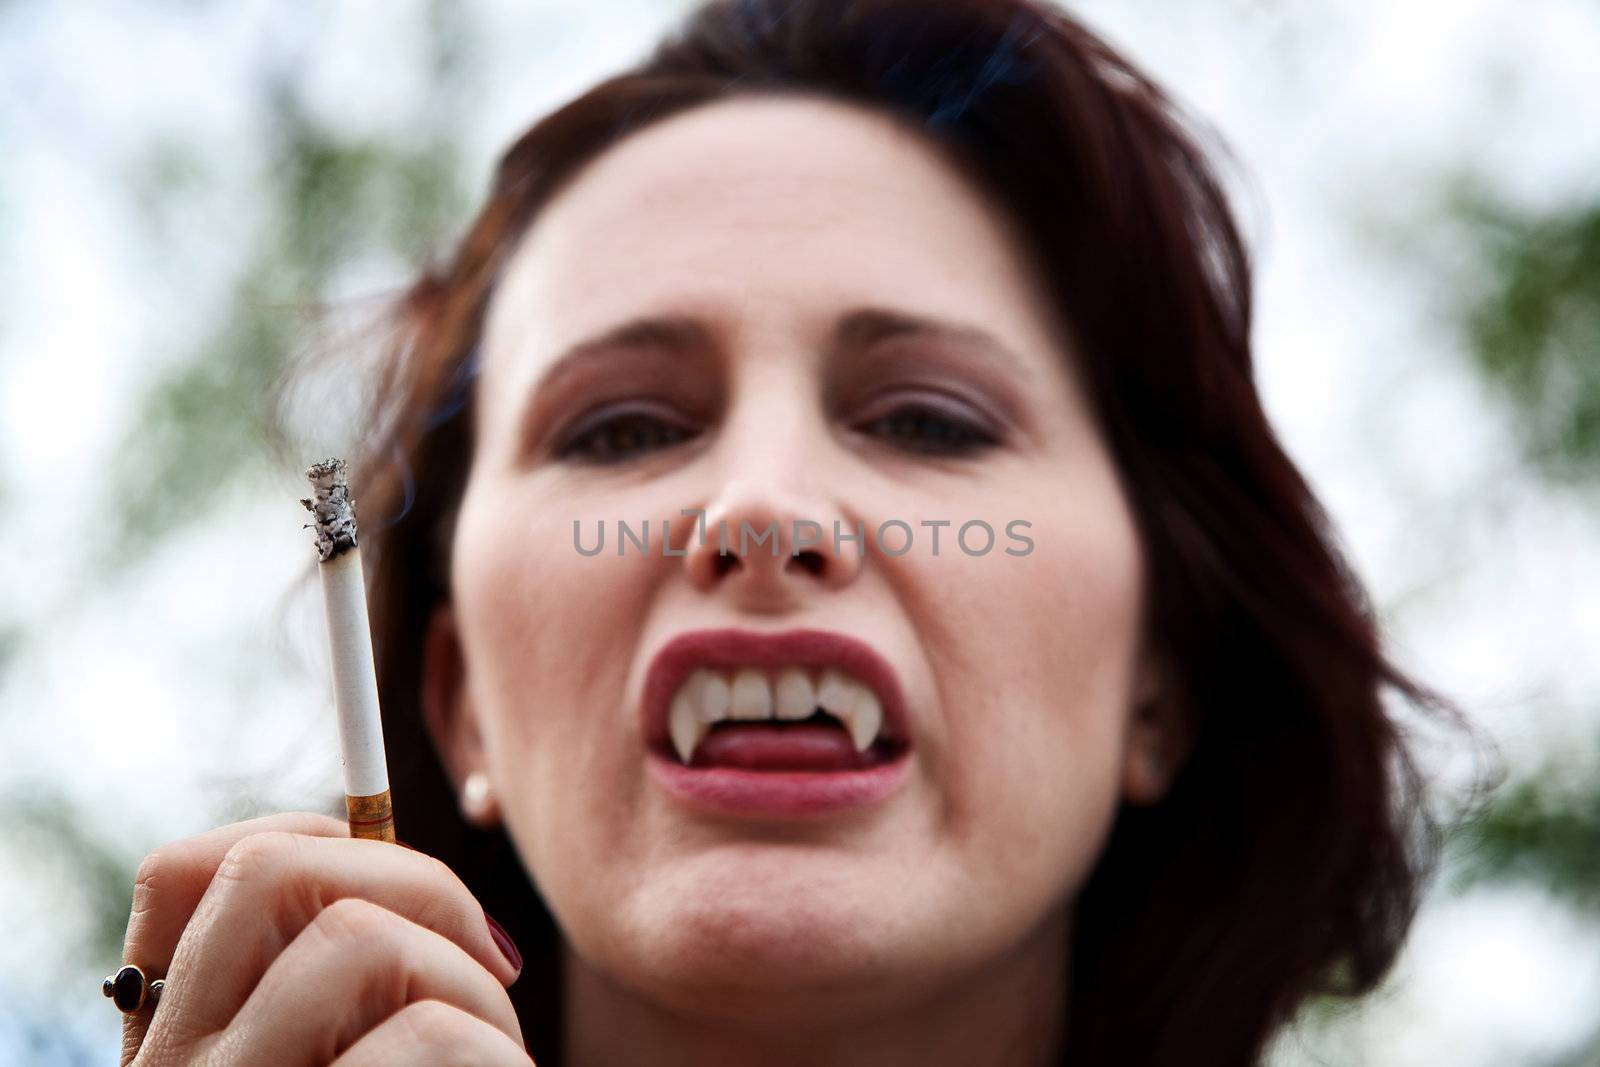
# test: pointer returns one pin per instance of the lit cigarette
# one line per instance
(355, 682)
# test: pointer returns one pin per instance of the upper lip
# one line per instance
(746, 648)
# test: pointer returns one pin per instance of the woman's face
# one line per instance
(787, 232)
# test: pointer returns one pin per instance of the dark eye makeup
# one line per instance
(929, 424)
(925, 426)
(615, 435)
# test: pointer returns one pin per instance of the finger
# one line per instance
(355, 965)
(169, 885)
(270, 886)
(435, 1034)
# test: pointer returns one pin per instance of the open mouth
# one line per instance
(816, 743)
(789, 719)
(791, 723)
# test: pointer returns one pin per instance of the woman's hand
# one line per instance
(284, 941)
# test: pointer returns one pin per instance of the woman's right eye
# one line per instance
(618, 438)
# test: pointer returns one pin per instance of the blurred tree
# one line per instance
(1528, 307)
(1540, 834)
(332, 199)
(1532, 324)
(102, 871)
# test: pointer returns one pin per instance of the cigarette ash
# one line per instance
(332, 511)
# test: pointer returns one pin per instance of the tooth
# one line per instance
(752, 696)
(796, 698)
(686, 727)
(837, 694)
(713, 695)
(865, 719)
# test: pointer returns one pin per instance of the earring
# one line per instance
(477, 798)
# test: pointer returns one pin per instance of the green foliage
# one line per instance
(332, 201)
(1531, 320)
(1539, 834)
(50, 826)
(1533, 324)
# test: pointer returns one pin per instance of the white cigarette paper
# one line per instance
(355, 683)
(344, 598)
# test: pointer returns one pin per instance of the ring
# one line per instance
(129, 990)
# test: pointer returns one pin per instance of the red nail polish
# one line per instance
(503, 941)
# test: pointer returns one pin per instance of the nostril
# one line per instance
(722, 563)
(811, 560)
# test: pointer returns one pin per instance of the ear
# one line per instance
(1161, 735)
(447, 710)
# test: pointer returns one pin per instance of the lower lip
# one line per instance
(782, 794)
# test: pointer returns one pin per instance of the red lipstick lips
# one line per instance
(741, 785)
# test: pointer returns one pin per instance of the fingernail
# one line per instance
(507, 948)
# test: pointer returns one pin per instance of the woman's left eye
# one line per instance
(922, 427)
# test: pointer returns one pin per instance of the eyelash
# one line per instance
(955, 437)
(579, 447)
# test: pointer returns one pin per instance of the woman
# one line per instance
(1111, 783)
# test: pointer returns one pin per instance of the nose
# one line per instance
(767, 548)
(775, 491)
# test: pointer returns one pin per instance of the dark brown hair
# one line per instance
(1288, 856)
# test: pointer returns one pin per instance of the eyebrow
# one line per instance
(860, 329)
(855, 331)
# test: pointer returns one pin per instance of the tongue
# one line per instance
(797, 747)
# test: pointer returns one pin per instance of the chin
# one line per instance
(728, 941)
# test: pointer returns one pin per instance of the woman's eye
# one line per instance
(621, 437)
(923, 428)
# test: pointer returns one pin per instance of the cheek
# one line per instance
(1033, 658)
(547, 633)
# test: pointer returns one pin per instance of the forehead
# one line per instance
(757, 209)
